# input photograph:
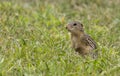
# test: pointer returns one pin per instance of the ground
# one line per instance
(34, 41)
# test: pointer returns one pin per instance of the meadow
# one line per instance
(34, 41)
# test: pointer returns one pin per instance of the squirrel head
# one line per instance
(75, 27)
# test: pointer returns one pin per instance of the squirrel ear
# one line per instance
(81, 29)
(82, 25)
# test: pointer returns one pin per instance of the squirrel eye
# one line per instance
(74, 24)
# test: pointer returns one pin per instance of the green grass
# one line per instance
(34, 41)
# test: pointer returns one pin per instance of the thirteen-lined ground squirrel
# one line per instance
(81, 42)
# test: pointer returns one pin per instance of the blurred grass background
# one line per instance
(34, 41)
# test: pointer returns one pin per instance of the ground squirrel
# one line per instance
(81, 42)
